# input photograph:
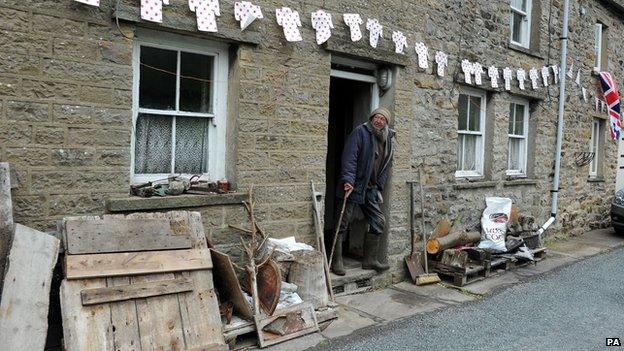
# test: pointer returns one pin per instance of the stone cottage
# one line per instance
(94, 99)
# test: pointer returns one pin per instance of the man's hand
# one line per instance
(348, 188)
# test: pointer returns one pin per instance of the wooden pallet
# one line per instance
(475, 271)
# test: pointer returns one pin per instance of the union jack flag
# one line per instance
(612, 97)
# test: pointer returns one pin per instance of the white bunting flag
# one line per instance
(477, 68)
(400, 41)
(571, 71)
(545, 75)
(353, 21)
(423, 55)
(533, 76)
(493, 74)
(442, 62)
(90, 2)
(556, 70)
(584, 93)
(468, 69)
(246, 12)
(322, 23)
(206, 12)
(578, 78)
(507, 77)
(290, 21)
(375, 31)
(521, 77)
(151, 10)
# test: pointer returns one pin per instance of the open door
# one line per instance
(353, 95)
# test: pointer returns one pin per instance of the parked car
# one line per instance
(617, 212)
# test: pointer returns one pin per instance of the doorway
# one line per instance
(353, 95)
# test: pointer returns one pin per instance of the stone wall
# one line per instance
(66, 93)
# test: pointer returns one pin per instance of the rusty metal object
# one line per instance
(269, 285)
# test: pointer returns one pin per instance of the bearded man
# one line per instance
(366, 163)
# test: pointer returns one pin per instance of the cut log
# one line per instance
(307, 272)
(453, 239)
(26, 293)
(442, 229)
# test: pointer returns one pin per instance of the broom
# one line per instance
(427, 278)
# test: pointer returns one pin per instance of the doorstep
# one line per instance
(403, 300)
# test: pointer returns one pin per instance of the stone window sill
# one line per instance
(134, 203)
(526, 51)
(474, 185)
(519, 181)
(598, 179)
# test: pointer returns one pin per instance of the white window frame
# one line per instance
(594, 146)
(525, 31)
(598, 33)
(524, 150)
(479, 149)
(217, 127)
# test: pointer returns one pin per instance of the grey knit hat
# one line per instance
(384, 112)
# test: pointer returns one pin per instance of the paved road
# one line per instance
(575, 308)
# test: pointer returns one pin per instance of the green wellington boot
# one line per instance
(371, 245)
(337, 265)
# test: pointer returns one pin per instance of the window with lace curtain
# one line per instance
(470, 133)
(517, 133)
(180, 88)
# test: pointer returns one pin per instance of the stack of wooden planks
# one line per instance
(139, 282)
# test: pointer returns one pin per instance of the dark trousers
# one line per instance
(372, 212)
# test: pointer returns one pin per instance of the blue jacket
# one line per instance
(357, 162)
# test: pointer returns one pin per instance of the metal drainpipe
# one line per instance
(560, 117)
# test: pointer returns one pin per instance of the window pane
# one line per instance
(512, 111)
(196, 82)
(519, 4)
(191, 151)
(474, 122)
(466, 152)
(460, 152)
(598, 44)
(513, 161)
(153, 144)
(463, 112)
(516, 27)
(470, 153)
(519, 120)
(157, 84)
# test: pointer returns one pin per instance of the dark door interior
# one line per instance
(349, 105)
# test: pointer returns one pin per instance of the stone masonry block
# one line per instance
(14, 20)
(99, 137)
(28, 156)
(57, 26)
(49, 90)
(49, 135)
(73, 157)
(76, 204)
(110, 157)
(27, 111)
(22, 43)
(75, 114)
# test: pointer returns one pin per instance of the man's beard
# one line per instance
(380, 133)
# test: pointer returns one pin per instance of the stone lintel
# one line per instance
(187, 24)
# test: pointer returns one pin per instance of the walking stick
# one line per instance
(344, 204)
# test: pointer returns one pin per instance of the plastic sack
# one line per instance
(494, 223)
